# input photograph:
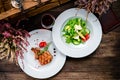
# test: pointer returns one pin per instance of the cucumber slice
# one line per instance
(66, 28)
(87, 30)
(75, 42)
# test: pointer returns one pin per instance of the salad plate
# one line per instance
(31, 66)
(83, 49)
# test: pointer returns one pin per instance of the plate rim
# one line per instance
(51, 75)
(60, 17)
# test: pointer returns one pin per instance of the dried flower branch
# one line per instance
(95, 6)
(12, 42)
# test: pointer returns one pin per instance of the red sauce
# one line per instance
(47, 20)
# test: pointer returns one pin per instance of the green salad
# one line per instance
(75, 31)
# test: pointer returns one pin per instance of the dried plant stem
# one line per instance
(87, 16)
(77, 11)
(95, 6)
(12, 42)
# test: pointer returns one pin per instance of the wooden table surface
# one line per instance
(103, 64)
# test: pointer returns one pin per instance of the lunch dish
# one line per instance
(48, 61)
(82, 38)
(75, 31)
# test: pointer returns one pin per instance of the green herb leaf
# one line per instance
(45, 49)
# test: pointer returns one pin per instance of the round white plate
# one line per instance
(31, 66)
(82, 50)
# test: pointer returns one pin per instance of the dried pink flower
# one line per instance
(12, 41)
(95, 6)
(6, 34)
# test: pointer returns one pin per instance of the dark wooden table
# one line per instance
(103, 64)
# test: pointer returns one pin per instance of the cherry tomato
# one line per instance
(87, 36)
(83, 39)
(42, 44)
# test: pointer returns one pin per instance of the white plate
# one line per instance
(14, 4)
(81, 50)
(31, 66)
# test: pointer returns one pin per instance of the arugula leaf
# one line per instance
(45, 49)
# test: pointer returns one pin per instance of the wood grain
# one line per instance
(13, 11)
(63, 76)
(87, 64)
(1, 6)
(29, 4)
